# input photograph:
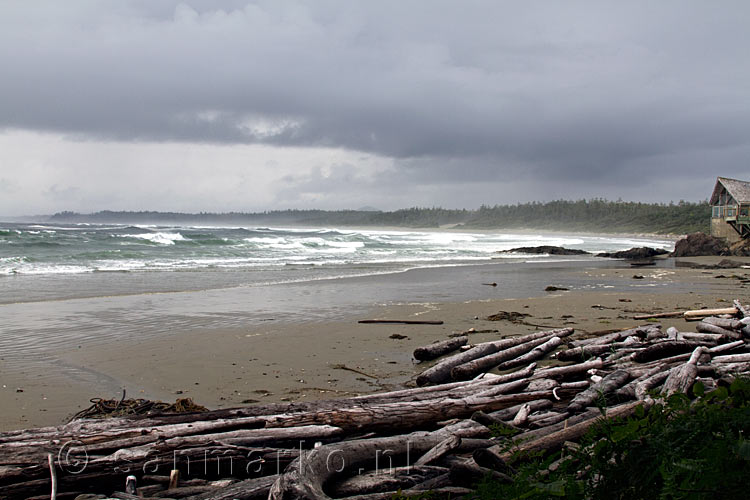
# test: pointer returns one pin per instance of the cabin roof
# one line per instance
(739, 190)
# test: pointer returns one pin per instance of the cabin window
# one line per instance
(716, 212)
(731, 211)
(744, 211)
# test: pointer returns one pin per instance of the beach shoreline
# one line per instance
(304, 358)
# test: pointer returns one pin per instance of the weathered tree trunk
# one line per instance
(441, 372)
(555, 440)
(438, 349)
(472, 368)
(640, 331)
(536, 353)
(561, 372)
(386, 479)
(249, 489)
(645, 385)
(712, 338)
(732, 358)
(664, 349)
(682, 378)
(729, 324)
(608, 384)
(703, 313)
(705, 327)
(627, 391)
(448, 444)
(305, 477)
(584, 352)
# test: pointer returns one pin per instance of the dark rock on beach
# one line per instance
(698, 244)
(546, 249)
(639, 253)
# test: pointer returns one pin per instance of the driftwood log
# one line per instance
(438, 349)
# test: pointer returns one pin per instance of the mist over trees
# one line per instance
(582, 215)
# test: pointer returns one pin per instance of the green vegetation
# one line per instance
(681, 449)
(583, 215)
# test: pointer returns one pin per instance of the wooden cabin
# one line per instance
(730, 209)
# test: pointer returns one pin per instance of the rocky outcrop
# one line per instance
(634, 253)
(740, 248)
(546, 249)
(697, 244)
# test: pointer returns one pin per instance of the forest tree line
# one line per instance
(582, 215)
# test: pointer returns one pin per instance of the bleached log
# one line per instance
(732, 358)
(704, 327)
(712, 338)
(729, 324)
(249, 489)
(555, 440)
(542, 384)
(510, 412)
(664, 349)
(386, 479)
(472, 368)
(402, 415)
(682, 378)
(305, 477)
(733, 368)
(683, 357)
(438, 349)
(440, 449)
(640, 331)
(522, 416)
(435, 391)
(608, 384)
(441, 372)
(536, 353)
(627, 391)
(488, 421)
(561, 372)
(645, 385)
(584, 352)
(550, 419)
(469, 473)
(703, 313)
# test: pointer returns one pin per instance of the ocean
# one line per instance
(67, 285)
(257, 255)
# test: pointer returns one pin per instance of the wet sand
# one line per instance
(299, 360)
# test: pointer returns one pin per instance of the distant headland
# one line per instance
(595, 215)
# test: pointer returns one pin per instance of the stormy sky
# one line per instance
(254, 105)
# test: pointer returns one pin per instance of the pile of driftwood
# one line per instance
(436, 437)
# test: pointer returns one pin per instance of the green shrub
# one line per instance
(681, 449)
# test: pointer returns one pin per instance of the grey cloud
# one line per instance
(473, 91)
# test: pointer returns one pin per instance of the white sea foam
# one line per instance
(160, 238)
(107, 248)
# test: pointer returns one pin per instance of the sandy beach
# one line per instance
(304, 359)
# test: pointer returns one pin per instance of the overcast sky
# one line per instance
(254, 105)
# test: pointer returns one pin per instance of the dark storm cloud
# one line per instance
(477, 91)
